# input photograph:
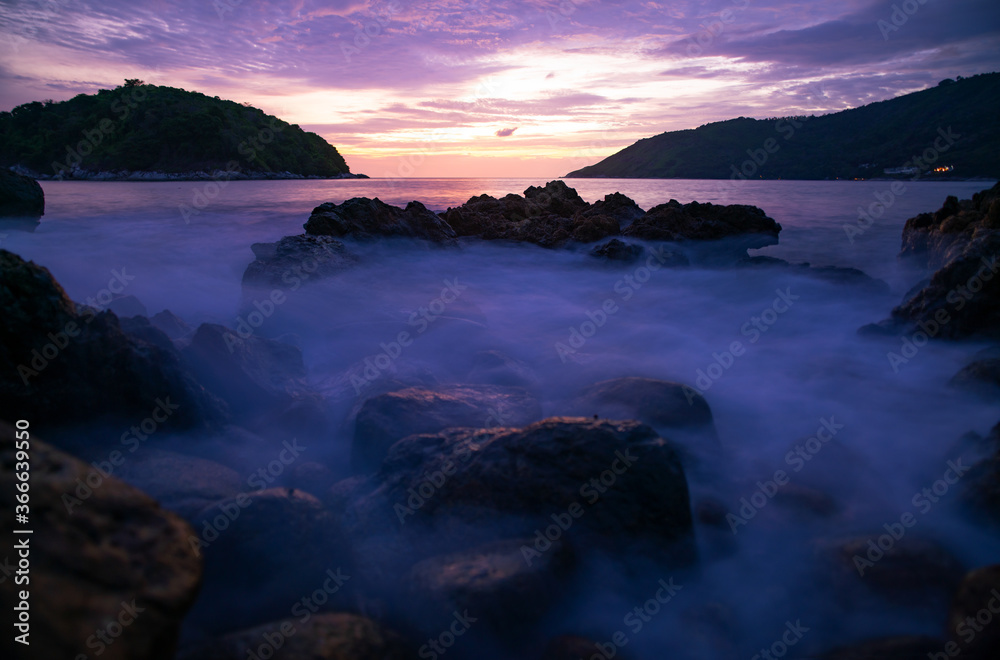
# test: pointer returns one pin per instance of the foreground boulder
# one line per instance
(364, 218)
(116, 559)
(322, 636)
(617, 486)
(55, 356)
(962, 299)
(294, 260)
(20, 196)
(387, 418)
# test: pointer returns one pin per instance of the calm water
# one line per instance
(810, 364)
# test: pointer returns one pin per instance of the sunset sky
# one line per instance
(506, 88)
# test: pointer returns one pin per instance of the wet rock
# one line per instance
(20, 196)
(253, 375)
(323, 636)
(171, 325)
(387, 418)
(312, 477)
(56, 356)
(286, 539)
(139, 327)
(962, 299)
(555, 197)
(364, 218)
(888, 648)
(180, 483)
(493, 582)
(674, 221)
(617, 206)
(116, 557)
(974, 621)
(617, 250)
(621, 484)
(659, 403)
(981, 377)
(294, 260)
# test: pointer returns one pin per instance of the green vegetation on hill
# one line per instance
(140, 127)
(858, 143)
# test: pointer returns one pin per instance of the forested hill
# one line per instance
(147, 128)
(858, 143)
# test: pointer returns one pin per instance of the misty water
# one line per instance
(899, 427)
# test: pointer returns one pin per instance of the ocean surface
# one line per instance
(187, 244)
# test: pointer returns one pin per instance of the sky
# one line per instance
(531, 88)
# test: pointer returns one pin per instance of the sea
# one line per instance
(183, 247)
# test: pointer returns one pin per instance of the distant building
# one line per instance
(944, 168)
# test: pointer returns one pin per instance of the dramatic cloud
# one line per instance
(506, 132)
(580, 79)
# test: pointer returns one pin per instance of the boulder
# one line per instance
(659, 403)
(77, 361)
(980, 376)
(674, 221)
(621, 208)
(364, 218)
(617, 487)
(285, 539)
(617, 250)
(387, 418)
(125, 306)
(116, 562)
(20, 196)
(322, 636)
(294, 260)
(974, 621)
(934, 239)
(171, 325)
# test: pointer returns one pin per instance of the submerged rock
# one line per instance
(617, 250)
(55, 356)
(294, 260)
(20, 196)
(106, 554)
(387, 418)
(365, 218)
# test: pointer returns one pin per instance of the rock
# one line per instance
(253, 375)
(20, 196)
(171, 325)
(623, 210)
(962, 299)
(617, 250)
(139, 327)
(974, 621)
(312, 477)
(323, 636)
(981, 376)
(507, 483)
(56, 357)
(981, 486)
(117, 556)
(295, 260)
(555, 198)
(934, 239)
(573, 647)
(387, 418)
(125, 306)
(286, 539)
(659, 403)
(889, 648)
(182, 484)
(364, 218)
(492, 582)
(705, 222)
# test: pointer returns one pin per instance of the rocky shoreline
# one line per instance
(444, 519)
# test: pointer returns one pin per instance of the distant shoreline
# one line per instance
(196, 175)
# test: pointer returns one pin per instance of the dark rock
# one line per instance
(573, 647)
(974, 621)
(253, 375)
(508, 483)
(555, 198)
(617, 250)
(139, 327)
(184, 484)
(286, 539)
(981, 485)
(705, 222)
(295, 260)
(111, 549)
(312, 477)
(888, 648)
(99, 372)
(497, 368)
(20, 196)
(981, 376)
(659, 403)
(622, 209)
(323, 636)
(364, 218)
(171, 325)
(125, 306)
(387, 418)
(962, 299)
